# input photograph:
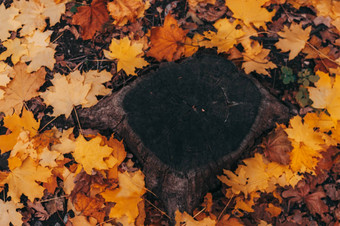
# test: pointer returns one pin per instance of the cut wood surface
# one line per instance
(186, 122)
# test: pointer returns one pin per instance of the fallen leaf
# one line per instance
(8, 15)
(273, 210)
(186, 219)
(22, 88)
(250, 11)
(23, 180)
(9, 214)
(256, 60)
(124, 11)
(15, 124)
(277, 146)
(90, 154)
(62, 95)
(91, 18)
(96, 80)
(167, 42)
(225, 38)
(293, 39)
(128, 53)
(15, 49)
(127, 196)
(90, 207)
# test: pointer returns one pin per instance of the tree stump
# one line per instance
(186, 122)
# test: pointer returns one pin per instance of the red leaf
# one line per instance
(91, 18)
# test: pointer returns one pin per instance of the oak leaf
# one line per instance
(23, 180)
(62, 95)
(127, 196)
(128, 54)
(8, 213)
(250, 11)
(186, 219)
(277, 146)
(91, 154)
(15, 124)
(8, 15)
(124, 11)
(22, 88)
(225, 38)
(293, 39)
(91, 18)
(167, 42)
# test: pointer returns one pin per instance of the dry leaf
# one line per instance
(23, 180)
(167, 42)
(8, 15)
(62, 95)
(186, 219)
(277, 146)
(293, 39)
(250, 11)
(91, 18)
(90, 154)
(15, 49)
(124, 11)
(8, 213)
(22, 88)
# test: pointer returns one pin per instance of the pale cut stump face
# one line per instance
(186, 122)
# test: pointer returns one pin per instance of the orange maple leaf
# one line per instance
(91, 18)
(167, 42)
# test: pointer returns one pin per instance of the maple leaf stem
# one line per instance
(219, 216)
(322, 54)
(75, 112)
(199, 212)
(162, 212)
(47, 124)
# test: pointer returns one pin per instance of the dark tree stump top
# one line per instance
(186, 122)
(193, 113)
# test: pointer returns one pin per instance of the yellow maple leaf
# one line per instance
(96, 79)
(15, 124)
(127, 196)
(326, 94)
(302, 133)
(186, 219)
(246, 204)
(123, 11)
(293, 39)
(236, 181)
(250, 11)
(128, 54)
(303, 158)
(255, 59)
(15, 48)
(226, 36)
(9, 214)
(34, 13)
(22, 88)
(66, 144)
(91, 154)
(319, 120)
(5, 71)
(62, 95)
(10, 24)
(23, 180)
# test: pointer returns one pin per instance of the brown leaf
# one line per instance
(167, 42)
(91, 18)
(277, 146)
(91, 207)
(315, 204)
